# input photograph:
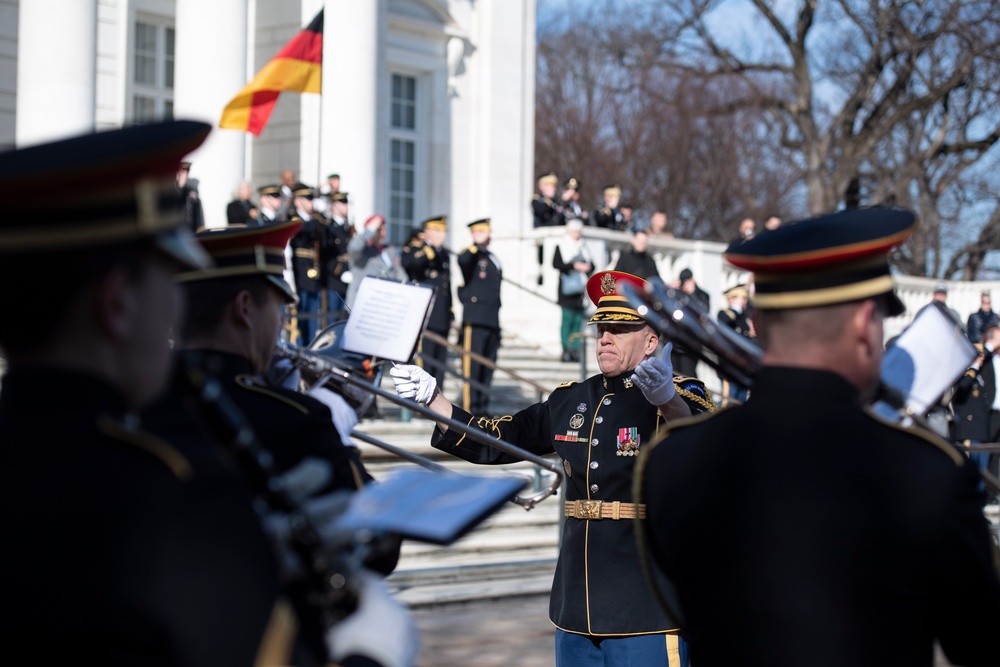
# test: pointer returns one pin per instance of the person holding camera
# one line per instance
(370, 256)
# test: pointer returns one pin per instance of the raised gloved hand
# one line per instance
(413, 382)
(380, 629)
(655, 377)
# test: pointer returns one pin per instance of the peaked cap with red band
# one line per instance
(247, 251)
(116, 186)
(602, 288)
(825, 260)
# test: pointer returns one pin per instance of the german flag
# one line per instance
(296, 67)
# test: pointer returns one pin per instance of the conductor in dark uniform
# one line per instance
(119, 545)
(429, 264)
(972, 402)
(800, 528)
(735, 316)
(480, 297)
(609, 215)
(235, 313)
(603, 610)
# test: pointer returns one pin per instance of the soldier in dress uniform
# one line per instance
(604, 612)
(429, 264)
(270, 202)
(480, 297)
(571, 201)
(609, 216)
(546, 210)
(308, 246)
(735, 316)
(336, 259)
(837, 538)
(119, 546)
(235, 314)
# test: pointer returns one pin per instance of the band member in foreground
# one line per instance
(603, 610)
(800, 528)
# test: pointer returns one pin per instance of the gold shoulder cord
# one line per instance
(249, 382)
(157, 447)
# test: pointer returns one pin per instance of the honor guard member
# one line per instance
(429, 264)
(480, 297)
(307, 266)
(735, 316)
(119, 546)
(546, 210)
(836, 538)
(235, 314)
(609, 216)
(604, 612)
(270, 200)
(571, 201)
(336, 258)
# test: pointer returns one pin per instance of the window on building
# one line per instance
(151, 89)
(403, 140)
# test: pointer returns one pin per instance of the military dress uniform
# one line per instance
(609, 217)
(597, 427)
(972, 404)
(546, 212)
(308, 248)
(337, 261)
(480, 297)
(431, 267)
(119, 546)
(802, 529)
(738, 320)
(291, 426)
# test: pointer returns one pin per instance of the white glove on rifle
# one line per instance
(380, 629)
(413, 382)
(655, 377)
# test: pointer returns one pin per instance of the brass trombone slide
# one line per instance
(327, 369)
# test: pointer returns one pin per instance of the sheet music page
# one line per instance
(386, 319)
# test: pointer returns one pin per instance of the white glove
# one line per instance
(380, 629)
(655, 377)
(344, 416)
(413, 382)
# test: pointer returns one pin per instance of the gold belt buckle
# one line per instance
(587, 509)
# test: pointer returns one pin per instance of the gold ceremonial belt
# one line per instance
(303, 252)
(595, 510)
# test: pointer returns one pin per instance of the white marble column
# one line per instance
(210, 68)
(352, 72)
(56, 69)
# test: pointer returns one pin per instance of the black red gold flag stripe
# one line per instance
(297, 67)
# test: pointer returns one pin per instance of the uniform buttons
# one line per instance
(607, 401)
(594, 488)
(594, 442)
(594, 465)
(599, 420)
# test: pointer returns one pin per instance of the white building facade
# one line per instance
(428, 105)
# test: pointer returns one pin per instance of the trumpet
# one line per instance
(359, 381)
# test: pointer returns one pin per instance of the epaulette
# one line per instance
(605, 210)
(257, 385)
(927, 436)
(473, 249)
(729, 313)
(149, 443)
(564, 385)
(682, 384)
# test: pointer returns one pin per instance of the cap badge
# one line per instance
(607, 284)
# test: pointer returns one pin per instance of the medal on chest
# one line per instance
(628, 441)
